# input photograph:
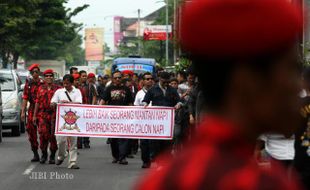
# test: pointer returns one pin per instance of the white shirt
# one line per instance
(279, 147)
(60, 95)
(139, 98)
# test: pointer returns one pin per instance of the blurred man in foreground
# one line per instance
(245, 55)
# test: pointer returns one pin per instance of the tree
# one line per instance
(74, 54)
(106, 48)
(36, 29)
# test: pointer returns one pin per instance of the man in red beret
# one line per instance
(29, 95)
(45, 115)
(247, 63)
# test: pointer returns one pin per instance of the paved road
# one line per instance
(97, 172)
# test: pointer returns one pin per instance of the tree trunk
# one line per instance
(5, 59)
(15, 60)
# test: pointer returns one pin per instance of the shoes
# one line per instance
(130, 156)
(123, 162)
(36, 157)
(114, 161)
(108, 141)
(52, 158)
(59, 162)
(43, 157)
(74, 166)
(146, 165)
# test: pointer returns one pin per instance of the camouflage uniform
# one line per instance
(46, 117)
(30, 91)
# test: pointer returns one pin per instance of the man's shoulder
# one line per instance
(154, 88)
(140, 92)
(60, 90)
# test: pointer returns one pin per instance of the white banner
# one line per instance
(114, 121)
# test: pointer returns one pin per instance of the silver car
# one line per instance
(11, 93)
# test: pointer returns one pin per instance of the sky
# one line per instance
(100, 13)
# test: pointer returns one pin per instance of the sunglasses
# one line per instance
(32, 72)
(51, 76)
(148, 79)
(117, 77)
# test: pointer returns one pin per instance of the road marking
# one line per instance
(29, 169)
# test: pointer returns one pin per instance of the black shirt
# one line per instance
(100, 90)
(302, 139)
(158, 98)
(117, 95)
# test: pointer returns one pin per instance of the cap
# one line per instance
(33, 66)
(238, 28)
(91, 75)
(127, 72)
(75, 76)
(48, 71)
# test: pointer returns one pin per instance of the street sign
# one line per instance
(157, 32)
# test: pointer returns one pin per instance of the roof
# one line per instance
(128, 60)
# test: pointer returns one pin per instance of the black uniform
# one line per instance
(119, 96)
(302, 144)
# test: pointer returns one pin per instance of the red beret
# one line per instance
(33, 66)
(128, 72)
(238, 28)
(91, 75)
(76, 76)
(48, 71)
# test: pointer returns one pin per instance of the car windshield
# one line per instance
(7, 82)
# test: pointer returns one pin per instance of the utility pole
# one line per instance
(167, 33)
(139, 40)
(175, 30)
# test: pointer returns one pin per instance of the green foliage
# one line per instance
(183, 64)
(37, 29)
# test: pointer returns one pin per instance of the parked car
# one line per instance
(0, 116)
(23, 75)
(11, 93)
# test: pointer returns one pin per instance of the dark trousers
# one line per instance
(133, 145)
(159, 146)
(145, 150)
(82, 141)
(86, 140)
(119, 148)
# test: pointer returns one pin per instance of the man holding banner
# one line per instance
(162, 95)
(72, 95)
(144, 143)
(119, 95)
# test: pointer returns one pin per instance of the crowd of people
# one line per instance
(242, 112)
(121, 89)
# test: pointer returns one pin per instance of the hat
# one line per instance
(127, 72)
(238, 28)
(48, 71)
(91, 75)
(33, 66)
(75, 76)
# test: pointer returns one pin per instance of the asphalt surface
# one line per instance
(96, 170)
